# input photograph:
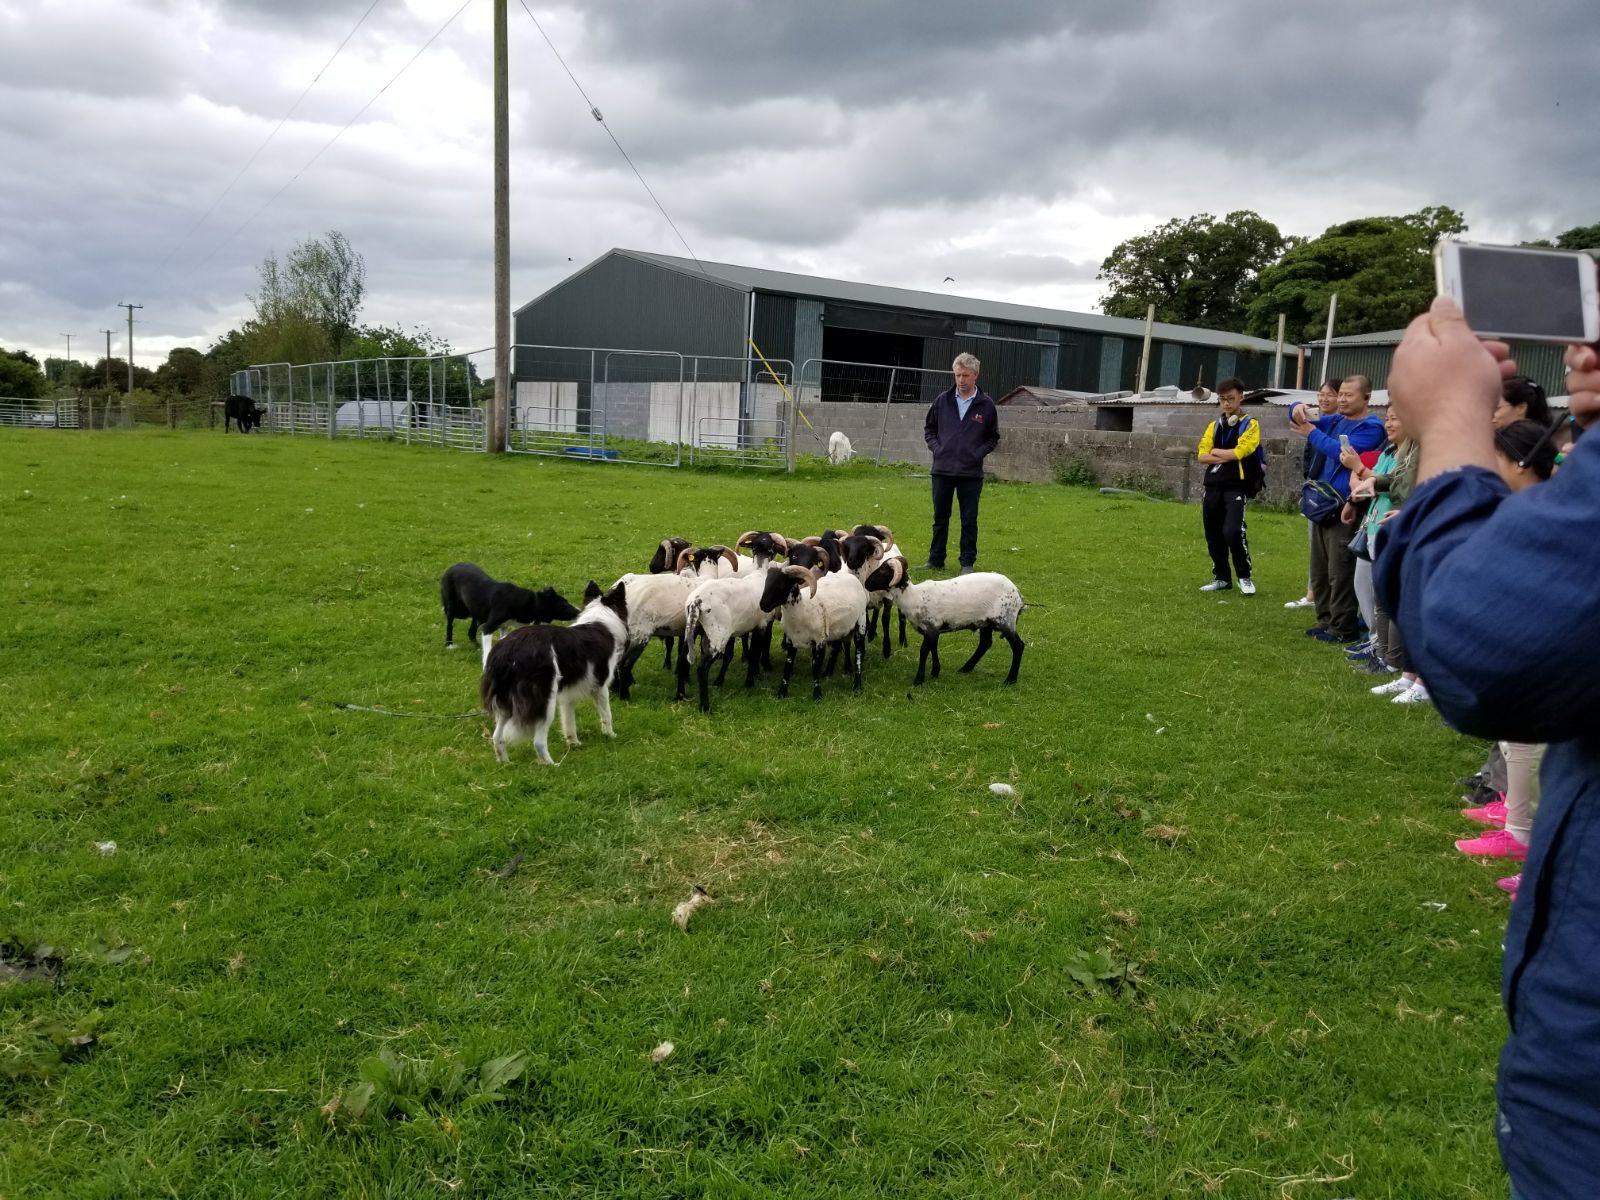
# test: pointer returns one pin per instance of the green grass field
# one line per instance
(1197, 953)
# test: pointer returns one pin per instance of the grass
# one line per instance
(1196, 953)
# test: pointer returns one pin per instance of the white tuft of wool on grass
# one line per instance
(1002, 789)
(661, 1053)
(684, 913)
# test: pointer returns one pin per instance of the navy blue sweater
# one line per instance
(1498, 600)
(959, 446)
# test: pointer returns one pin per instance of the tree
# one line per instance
(1381, 268)
(183, 374)
(20, 377)
(1579, 237)
(1198, 271)
(306, 306)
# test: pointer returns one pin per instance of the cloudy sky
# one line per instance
(893, 141)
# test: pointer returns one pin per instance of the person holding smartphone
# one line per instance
(1498, 599)
(1333, 567)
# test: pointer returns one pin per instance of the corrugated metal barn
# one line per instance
(1372, 354)
(636, 301)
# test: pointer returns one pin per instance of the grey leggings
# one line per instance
(1387, 635)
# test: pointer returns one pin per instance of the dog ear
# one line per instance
(591, 592)
(617, 597)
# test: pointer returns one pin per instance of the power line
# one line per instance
(594, 111)
(312, 160)
(179, 244)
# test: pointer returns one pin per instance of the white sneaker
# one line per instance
(1415, 694)
(1247, 587)
(1396, 685)
(1303, 602)
(1217, 585)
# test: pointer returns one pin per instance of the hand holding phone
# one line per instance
(1514, 292)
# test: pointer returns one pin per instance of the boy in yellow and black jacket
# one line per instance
(1231, 450)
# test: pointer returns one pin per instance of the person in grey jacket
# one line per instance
(961, 428)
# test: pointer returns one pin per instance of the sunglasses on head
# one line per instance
(1544, 440)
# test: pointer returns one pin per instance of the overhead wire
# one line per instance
(331, 141)
(266, 141)
(594, 111)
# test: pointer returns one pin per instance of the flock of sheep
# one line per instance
(831, 593)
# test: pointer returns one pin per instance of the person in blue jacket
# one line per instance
(1333, 567)
(961, 428)
(1498, 599)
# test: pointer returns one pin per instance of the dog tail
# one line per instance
(520, 676)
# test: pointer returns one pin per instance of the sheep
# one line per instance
(985, 601)
(717, 611)
(664, 561)
(665, 558)
(708, 562)
(764, 546)
(839, 449)
(832, 609)
(468, 593)
(865, 550)
(655, 610)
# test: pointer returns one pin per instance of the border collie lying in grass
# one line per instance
(538, 669)
(467, 593)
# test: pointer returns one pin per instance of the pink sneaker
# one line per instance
(1497, 843)
(1510, 884)
(1492, 813)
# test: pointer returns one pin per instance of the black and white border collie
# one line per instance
(536, 670)
(469, 594)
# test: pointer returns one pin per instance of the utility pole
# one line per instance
(107, 332)
(130, 308)
(502, 239)
(68, 362)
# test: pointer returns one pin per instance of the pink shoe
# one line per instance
(1510, 884)
(1497, 843)
(1492, 813)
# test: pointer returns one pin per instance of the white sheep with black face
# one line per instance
(655, 610)
(820, 609)
(716, 612)
(985, 600)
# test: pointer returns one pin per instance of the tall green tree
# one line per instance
(20, 376)
(1381, 268)
(306, 306)
(1196, 271)
(1579, 237)
(183, 374)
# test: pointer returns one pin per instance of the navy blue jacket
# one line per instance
(959, 446)
(1498, 601)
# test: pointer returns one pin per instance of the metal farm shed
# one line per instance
(817, 330)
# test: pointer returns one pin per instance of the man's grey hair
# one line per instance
(1361, 383)
(966, 361)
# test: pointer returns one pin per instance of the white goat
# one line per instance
(820, 609)
(716, 612)
(985, 601)
(839, 449)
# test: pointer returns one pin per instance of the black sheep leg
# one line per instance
(858, 643)
(727, 658)
(930, 647)
(704, 674)
(1016, 653)
(816, 672)
(985, 640)
(789, 650)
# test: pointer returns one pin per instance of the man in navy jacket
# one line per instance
(961, 428)
(1498, 599)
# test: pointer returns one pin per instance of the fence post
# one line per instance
(333, 409)
(883, 434)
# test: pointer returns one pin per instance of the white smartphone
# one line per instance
(1514, 292)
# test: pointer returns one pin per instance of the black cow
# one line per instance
(243, 410)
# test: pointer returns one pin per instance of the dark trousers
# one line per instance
(1333, 579)
(966, 491)
(1387, 633)
(1222, 512)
